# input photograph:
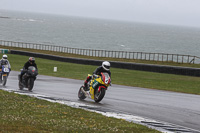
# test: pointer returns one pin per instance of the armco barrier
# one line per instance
(163, 57)
(132, 66)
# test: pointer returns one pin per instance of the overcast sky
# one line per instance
(175, 12)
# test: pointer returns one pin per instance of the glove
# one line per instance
(94, 76)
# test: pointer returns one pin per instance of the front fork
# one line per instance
(3, 75)
(91, 92)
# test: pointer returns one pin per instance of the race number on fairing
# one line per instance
(6, 70)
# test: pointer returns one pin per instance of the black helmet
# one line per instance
(31, 59)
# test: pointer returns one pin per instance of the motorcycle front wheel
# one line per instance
(98, 96)
(81, 95)
(4, 80)
(30, 83)
(21, 86)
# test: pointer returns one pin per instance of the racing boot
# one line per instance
(20, 78)
(85, 86)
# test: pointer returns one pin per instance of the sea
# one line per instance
(101, 34)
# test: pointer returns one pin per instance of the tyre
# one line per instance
(30, 84)
(98, 96)
(1, 78)
(21, 86)
(81, 95)
(4, 80)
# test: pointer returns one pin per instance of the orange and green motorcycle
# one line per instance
(96, 87)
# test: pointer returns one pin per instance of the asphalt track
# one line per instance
(175, 108)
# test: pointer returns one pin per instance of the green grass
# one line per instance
(169, 82)
(27, 114)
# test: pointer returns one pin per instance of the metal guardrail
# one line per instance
(179, 58)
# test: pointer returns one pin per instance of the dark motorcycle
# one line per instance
(28, 78)
(4, 72)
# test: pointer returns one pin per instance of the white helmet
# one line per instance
(4, 57)
(106, 65)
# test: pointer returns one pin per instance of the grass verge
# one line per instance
(27, 114)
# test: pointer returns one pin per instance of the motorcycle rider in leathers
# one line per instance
(105, 67)
(30, 62)
(4, 61)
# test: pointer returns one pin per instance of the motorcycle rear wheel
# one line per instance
(98, 96)
(81, 95)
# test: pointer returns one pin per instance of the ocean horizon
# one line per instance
(101, 34)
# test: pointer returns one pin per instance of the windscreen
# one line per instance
(105, 78)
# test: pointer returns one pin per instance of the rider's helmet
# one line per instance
(106, 65)
(31, 59)
(4, 57)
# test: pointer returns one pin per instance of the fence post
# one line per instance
(118, 53)
(133, 55)
(177, 58)
(129, 56)
(182, 58)
(167, 58)
(92, 52)
(3, 43)
(194, 60)
(125, 54)
(188, 59)
(149, 56)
